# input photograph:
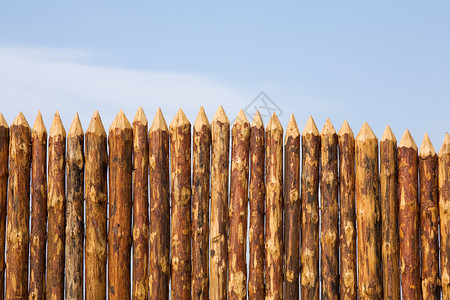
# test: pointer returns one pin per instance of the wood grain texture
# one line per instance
(444, 213)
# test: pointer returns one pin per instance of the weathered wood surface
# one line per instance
(444, 213)
(4, 153)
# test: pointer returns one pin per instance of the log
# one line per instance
(429, 220)
(18, 209)
(329, 231)
(159, 264)
(347, 243)
(292, 210)
(56, 209)
(96, 168)
(75, 211)
(309, 256)
(257, 195)
(140, 206)
(180, 175)
(4, 151)
(408, 217)
(390, 249)
(444, 213)
(220, 151)
(237, 247)
(274, 209)
(200, 206)
(120, 141)
(368, 215)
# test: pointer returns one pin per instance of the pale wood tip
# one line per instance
(257, 120)
(292, 128)
(328, 128)
(201, 120)
(310, 127)
(140, 117)
(20, 121)
(3, 122)
(180, 119)
(220, 116)
(120, 122)
(57, 127)
(39, 126)
(345, 129)
(426, 149)
(445, 149)
(96, 125)
(159, 123)
(366, 133)
(407, 141)
(274, 123)
(75, 128)
(241, 118)
(388, 135)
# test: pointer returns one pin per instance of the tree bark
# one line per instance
(444, 213)
(4, 151)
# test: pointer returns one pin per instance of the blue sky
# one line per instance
(385, 62)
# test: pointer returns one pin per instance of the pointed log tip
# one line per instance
(310, 127)
(328, 128)
(3, 122)
(257, 120)
(96, 125)
(57, 127)
(388, 135)
(366, 133)
(75, 128)
(120, 122)
(292, 129)
(220, 116)
(407, 141)
(20, 121)
(201, 120)
(159, 123)
(445, 149)
(426, 149)
(180, 119)
(241, 118)
(345, 129)
(140, 117)
(274, 123)
(39, 126)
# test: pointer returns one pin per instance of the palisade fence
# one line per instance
(170, 222)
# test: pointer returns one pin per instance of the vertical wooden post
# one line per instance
(140, 206)
(200, 206)
(310, 212)
(96, 168)
(120, 206)
(159, 209)
(368, 215)
(18, 209)
(348, 270)
(4, 149)
(390, 249)
(56, 209)
(180, 174)
(429, 219)
(329, 234)
(444, 213)
(274, 209)
(257, 203)
(237, 247)
(220, 151)
(408, 217)
(75, 211)
(292, 210)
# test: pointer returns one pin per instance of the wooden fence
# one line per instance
(381, 227)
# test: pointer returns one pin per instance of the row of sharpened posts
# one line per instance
(391, 201)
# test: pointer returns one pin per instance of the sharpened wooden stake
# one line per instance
(274, 209)
(237, 247)
(408, 217)
(180, 175)
(390, 249)
(120, 206)
(159, 264)
(329, 231)
(200, 206)
(429, 220)
(292, 210)
(368, 215)
(18, 209)
(444, 213)
(310, 212)
(140, 206)
(56, 209)
(257, 202)
(220, 152)
(96, 185)
(348, 270)
(75, 211)
(4, 149)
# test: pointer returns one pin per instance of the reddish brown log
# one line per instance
(180, 175)
(444, 213)
(292, 210)
(120, 207)
(159, 209)
(310, 212)
(56, 209)
(348, 271)
(220, 150)
(237, 250)
(4, 149)
(429, 220)
(390, 250)
(96, 169)
(18, 209)
(257, 199)
(408, 218)
(200, 206)
(368, 215)
(140, 206)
